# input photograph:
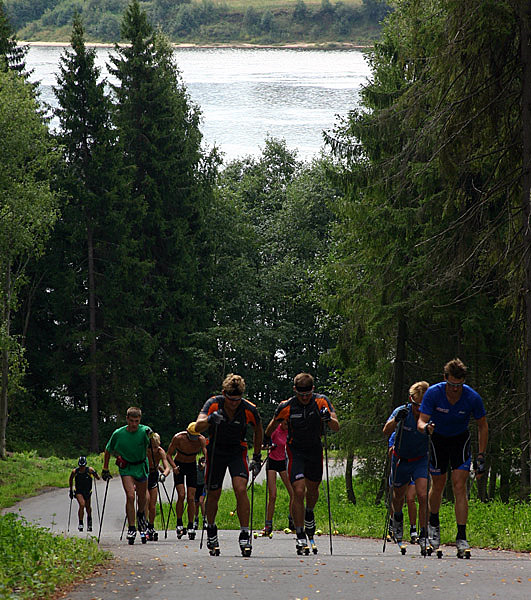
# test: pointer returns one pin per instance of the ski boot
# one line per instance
(151, 534)
(267, 531)
(196, 524)
(191, 531)
(413, 535)
(397, 530)
(89, 524)
(245, 543)
(434, 538)
(425, 546)
(80, 526)
(463, 548)
(302, 546)
(142, 526)
(212, 540)
(131, 535)
(180, 531)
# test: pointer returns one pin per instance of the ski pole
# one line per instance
(167, 498)
(123, 528)
(251, 518)
(69, 513)
(97, 501)
(103, 508)
(171, 502)
(387, 478)
(328, 485)
(209, 465)
(391, 483)
(233, 512)
(427, 518)
(160, 505)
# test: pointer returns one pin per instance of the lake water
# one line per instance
(246, 95)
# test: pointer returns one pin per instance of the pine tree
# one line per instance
(12, 56)
(171, 183)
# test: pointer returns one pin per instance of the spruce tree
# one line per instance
(12, 56)
(171, 185)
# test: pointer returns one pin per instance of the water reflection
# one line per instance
(246, 95)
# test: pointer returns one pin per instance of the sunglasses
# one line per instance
(454, 386)
(305, 393)
(233, 398)
(413, 401)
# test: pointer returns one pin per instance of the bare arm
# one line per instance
(106, 459)
(424, 419)
(171, 451)
(94, 473)
(333, 423)
(258, 438)
(166, 468)
(201, 423)
(389, 427)
(483, 435)
(273, 424)
(71, 480)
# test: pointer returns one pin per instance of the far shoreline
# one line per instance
(235, 45)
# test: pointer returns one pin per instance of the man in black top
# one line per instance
(82, 476)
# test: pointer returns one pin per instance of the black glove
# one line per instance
(401, 414)
(256, 464)
(325, 415)
(479, 466)
(106, 475)
(162, 478)
(71, 494)
(216, 417)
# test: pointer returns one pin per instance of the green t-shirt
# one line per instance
(131, 446)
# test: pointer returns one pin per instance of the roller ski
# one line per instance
(402, 546)
(267, 532)
(413, 535)
(191, 533)
(425, 546)
(245, 543)
(180, 531)
(89, 525)
(151, 534)
(131, 535)
(212, 540)
(80, 527)
(434, 539)
(463, 548)
(302, 546)
(142, 527)
(291, 526)
(312, 545)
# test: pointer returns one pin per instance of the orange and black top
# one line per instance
(304, 421)
(231, 432)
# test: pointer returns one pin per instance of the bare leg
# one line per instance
(128, 484)
(243, 508)
(272, 494)
(459, 479)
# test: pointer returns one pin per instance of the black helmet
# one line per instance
(82, 462)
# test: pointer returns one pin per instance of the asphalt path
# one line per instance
(170, 568)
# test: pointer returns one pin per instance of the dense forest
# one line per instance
(206, 21)
(136, 268)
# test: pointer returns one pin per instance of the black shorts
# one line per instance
(85, 493)
(153, 479)
(199, 491)
(305, 463)
(236, 461)
(190, 471)
(275, 465)
(453, 451)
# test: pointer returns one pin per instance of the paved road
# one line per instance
(358, 569)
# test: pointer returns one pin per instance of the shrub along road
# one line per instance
(358, 568)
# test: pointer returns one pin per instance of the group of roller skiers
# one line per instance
(430, 435)
(431, 429)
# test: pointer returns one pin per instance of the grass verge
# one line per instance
(34, 561)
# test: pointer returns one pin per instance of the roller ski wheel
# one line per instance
(313, 545)
(245, 544)
(266, 533)
(180, 531)
(403, 547)
(414, 537)
(131, 535)
(287, 530)
(319, 532)
(463, 548)
(191, 534)
(302, 547)
(440, 554)
(214, 551)
(143, 537)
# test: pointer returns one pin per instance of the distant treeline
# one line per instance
(205, 20)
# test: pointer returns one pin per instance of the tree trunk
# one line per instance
(348, 479)
(525, 49)
(6, 322)
(94, 409)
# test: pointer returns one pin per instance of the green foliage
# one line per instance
(206, 21)
(35, 562)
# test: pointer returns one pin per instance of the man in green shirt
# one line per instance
(130, 444)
